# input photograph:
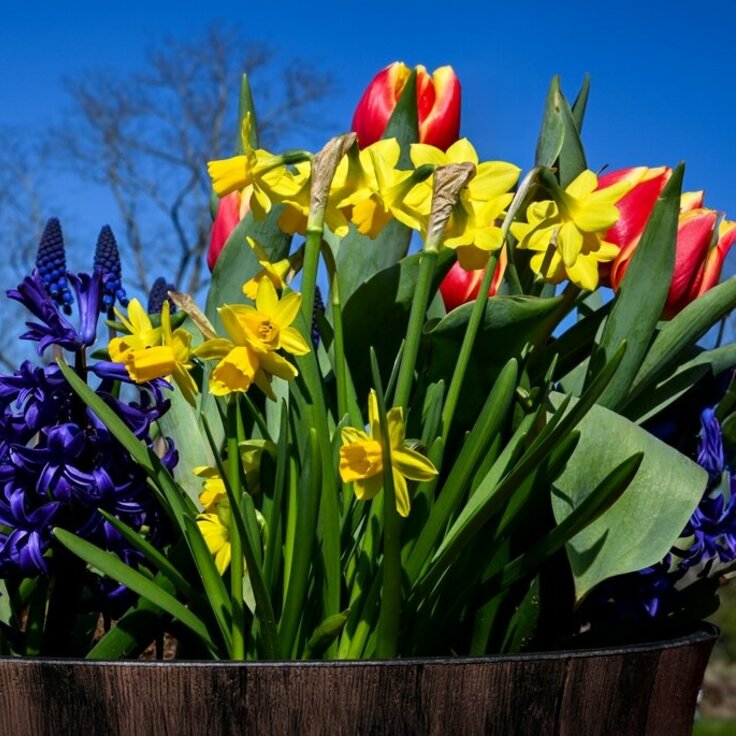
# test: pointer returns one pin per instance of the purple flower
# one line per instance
(53, 328)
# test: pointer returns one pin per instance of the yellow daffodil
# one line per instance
(384, 192)
(256, 168)
(567, 234)
(275, 272)
(255, 334)
(214, 521)
(474, 225)
(142, 333)
(173, 357)
(361, 458)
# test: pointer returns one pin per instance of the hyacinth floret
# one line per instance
(159, 294)
(107, 260)
(53, 328)
(51, 265)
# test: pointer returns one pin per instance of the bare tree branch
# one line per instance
(146, 138)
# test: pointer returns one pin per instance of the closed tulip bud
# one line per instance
(699, 258)
(461, 286)
(230, 211)
(438, 105)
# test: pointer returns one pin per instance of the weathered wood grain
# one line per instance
(647, 690)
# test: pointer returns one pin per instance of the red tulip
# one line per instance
(699, 258)
(438, 105)
(461, 286)
(230, 211)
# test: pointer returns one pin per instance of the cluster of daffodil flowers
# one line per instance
(566, 233)
(369, 190)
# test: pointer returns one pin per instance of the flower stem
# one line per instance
(236, 544)
(419, 304)
(476, 315)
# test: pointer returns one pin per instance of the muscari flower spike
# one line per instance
(107, 259)
(158, 294)
(51, 265)
(318, 309)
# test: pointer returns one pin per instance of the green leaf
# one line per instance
(642, 294)
(112, 566)
(681, 380)
(683, 331)
(377, 315)
(180, 423)
(509, 324)
(639, 529)
(326, 633)
(581, 102)
(238, 263)
(606, 493)
(404, 121)
(245, 106)
(559, 143)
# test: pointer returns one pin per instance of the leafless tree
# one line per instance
(146, 137)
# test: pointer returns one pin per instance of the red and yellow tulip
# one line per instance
(438, 105)
(461, 286)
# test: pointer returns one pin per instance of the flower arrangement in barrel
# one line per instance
(433, 404)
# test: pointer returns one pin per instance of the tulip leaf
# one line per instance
(404, 121)
(559, 145)
(657, 397)
(580, 104)
(377, 315)
(639, 529)
(683, 331)
(180, 423)
(237, 262)
(642, 294)
(509, 323)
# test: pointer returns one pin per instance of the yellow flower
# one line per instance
(142, 333)
(172, 358)
(275, 272)
(214, 521)
(294, 191)
(381, 191)
(255, 334)
(568, 234)
(473, 228)
(361, 458)
(254, 168)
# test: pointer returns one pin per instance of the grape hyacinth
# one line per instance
(51, 265)
(107, 260)
(159, 294)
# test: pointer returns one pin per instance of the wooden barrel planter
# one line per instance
(645, 689)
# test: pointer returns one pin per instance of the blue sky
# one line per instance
(663, 83)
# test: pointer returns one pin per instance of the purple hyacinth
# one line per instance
(159, 294)
(107, 260)
(51, 265)
(53, 328)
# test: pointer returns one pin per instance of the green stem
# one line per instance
(311, 264)
(476, 315)
(390, 614)
(236, 543)
(420, 302)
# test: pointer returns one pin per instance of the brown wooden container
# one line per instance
(645, 689)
